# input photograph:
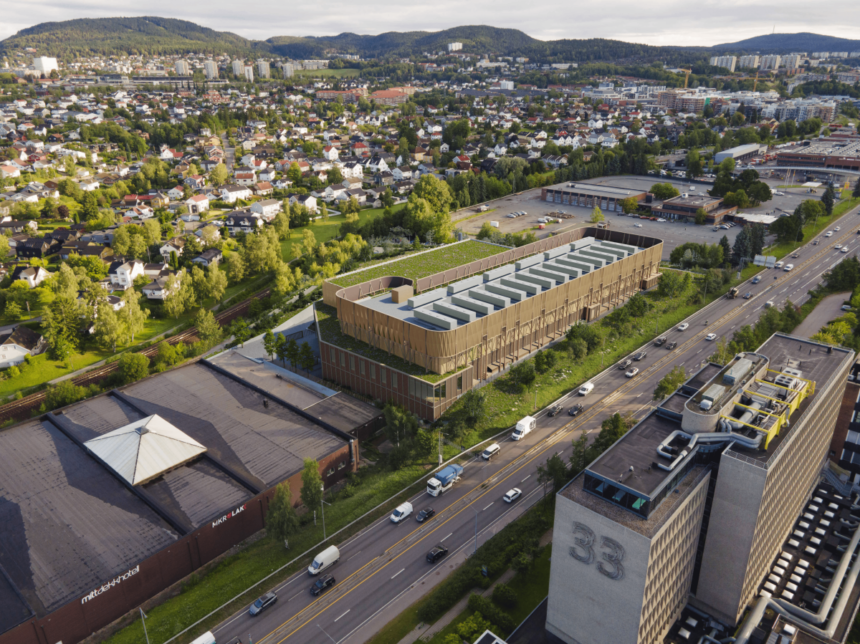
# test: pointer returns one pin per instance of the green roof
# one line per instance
(425, 264)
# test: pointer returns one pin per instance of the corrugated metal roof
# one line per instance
(145, 449)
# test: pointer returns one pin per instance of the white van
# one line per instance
(491, 451)
(324, 560)
(206, 638)
(586, 389)
(401, 512)
(788, 267)
(524, 426)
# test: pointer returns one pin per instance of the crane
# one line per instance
(755, 83)
(687, 77)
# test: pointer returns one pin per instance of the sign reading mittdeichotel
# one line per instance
(113, 582)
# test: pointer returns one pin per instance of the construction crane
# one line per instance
(755, 83)
(687, 77)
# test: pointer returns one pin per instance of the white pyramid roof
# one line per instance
(145, 449)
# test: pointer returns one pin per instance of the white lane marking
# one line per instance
(355, 555)
(296, 595)
(397, 573)
(224, 625)
(347, 610)
(525, 479)
(447, 537)
(491, 503)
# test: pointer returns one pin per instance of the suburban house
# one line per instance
(157, 288)
(208, 257)
(309, 201)
(37, 247)
(122, 274)
(267, 209)
(33, 275)
(197, 204)
(242, 221)
(18, 343)
(174, 245)
(233, 192)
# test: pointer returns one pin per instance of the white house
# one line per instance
(243, 221)
(157, 288)
(330, 152)
(176, 192)
(197, 204)
(267, 209)
(309, 201)
(175, 245)
(233, 192)
(34, 275)
(18, 343)
(122, 275)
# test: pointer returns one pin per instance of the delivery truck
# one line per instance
(444, 479)
(324, 560)
(524, 426)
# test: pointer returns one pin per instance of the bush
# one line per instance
(65, 393)
(133, 366)
(505, 597)
(493, 613)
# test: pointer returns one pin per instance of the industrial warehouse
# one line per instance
(109, 501)
(424, 344)
(711, 512)
(837, 153)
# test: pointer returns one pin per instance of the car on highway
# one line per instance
(632, 372)
(555, 410)
(573, 411)
(425, 515)
(623, 365)
(756, 279)
(671, 345)
(491, 451)
(262, 604)
(637, 225)
(838, 246)
(711, 337)
(436, 553)
(512, 495)
(586, 389)
(829, 233)
(659, 341)
(788, 268)
(640, 356)
(796, 255)
(401, 512)
(747, 296)
(683, 326)
(838, 228)
(321, 585)
(845, 250)
(778, 265)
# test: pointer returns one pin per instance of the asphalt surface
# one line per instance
(379, 565)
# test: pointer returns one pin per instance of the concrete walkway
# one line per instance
(828, 309)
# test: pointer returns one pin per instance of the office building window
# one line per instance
(352, 363)
(383, 375)
(373, 372)
(361, 367)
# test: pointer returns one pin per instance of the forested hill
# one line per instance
(792, 42)
(112, 36)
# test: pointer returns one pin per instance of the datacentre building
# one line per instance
(105, 503)
(713, 505)
(424, 343)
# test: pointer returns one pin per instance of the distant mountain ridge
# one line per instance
(805, 41)
(156, 35)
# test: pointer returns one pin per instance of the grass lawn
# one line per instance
(42, 369)
(426, 264)
(325, 231)
(260, 559)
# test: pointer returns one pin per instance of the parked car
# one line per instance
(711, 337)
(321, 585)
(555, 410)
(632, 372)
(640, 356)
(683, 326)
(425, 514)
(624, 365)
(573, 411)
(263, 603)
(436, 553)
(512, 495)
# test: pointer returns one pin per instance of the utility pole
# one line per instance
(322, 505)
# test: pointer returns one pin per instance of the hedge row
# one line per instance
(493, 613)
(496, 554)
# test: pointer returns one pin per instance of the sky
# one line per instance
(658, 22)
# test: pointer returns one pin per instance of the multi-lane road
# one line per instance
(383, 568)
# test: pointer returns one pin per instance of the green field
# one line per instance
(429, 263)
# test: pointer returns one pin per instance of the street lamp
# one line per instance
(536, 388)
(322, 505)
(143, 621)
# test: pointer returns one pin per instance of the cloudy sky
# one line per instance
(659, 22)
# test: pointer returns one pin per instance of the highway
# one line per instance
(380, 565)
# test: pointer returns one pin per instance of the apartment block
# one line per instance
(728, 62)
(210, 70)
(249, 73)
(263, 70)
(770, 62)
(749, 62)
(690, 510)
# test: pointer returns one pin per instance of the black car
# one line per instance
(436, 553)
(425, 514)
(321, 585)
(659, 341)
(625, 364)
(671, 345)
(573, 411)
(263, 603)
(554, 410)
(640, 356)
